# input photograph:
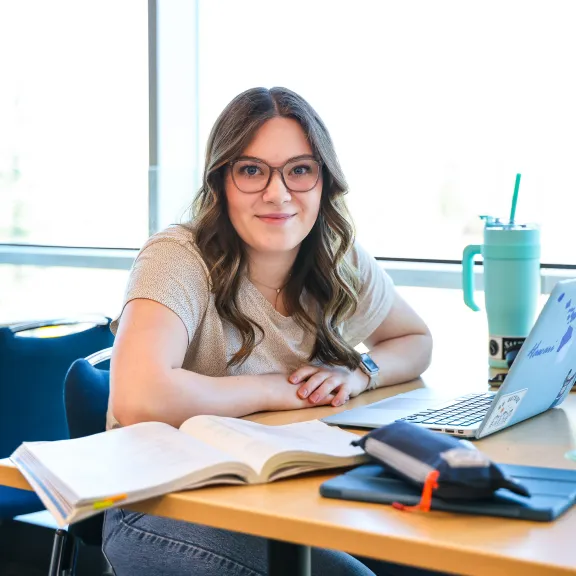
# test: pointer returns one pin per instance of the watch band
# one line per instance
(373, 384)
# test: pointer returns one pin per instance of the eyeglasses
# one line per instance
(253, 175)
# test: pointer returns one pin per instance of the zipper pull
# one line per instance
(430, 484)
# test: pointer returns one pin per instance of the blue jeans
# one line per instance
(143, 545)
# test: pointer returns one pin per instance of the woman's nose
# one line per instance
(276, 191)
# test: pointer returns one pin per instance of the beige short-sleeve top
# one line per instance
(170, 270)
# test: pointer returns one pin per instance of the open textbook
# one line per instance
(79, 478)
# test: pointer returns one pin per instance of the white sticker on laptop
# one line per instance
(501, 414)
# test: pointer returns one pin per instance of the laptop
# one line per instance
(540, 378)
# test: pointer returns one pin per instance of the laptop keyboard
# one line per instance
(464, 411)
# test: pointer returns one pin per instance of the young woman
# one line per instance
(256, 304)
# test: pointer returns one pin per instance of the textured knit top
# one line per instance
(170, 270)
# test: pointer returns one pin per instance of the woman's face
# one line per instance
(275, 219)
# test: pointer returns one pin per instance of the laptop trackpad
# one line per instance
(414, 401)
(408, 405)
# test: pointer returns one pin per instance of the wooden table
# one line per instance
(292, 510)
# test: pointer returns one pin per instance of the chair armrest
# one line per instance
(100, 356)
(34, 324)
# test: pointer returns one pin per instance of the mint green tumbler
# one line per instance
(511, 254)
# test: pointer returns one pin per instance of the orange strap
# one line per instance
(430, 484)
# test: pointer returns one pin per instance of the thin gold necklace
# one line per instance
(277, 290)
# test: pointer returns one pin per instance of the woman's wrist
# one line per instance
(362, 381)
(270, 391)
(263, 391)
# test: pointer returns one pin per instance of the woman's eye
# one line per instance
(300, 170)
(250, 170)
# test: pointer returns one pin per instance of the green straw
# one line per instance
(515, 198)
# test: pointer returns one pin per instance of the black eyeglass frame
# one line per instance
(273, 169)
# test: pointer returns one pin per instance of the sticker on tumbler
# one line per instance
(495, 347)
(499, 346)
(504, 410)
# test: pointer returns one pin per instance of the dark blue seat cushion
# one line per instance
(32, 372)
(14, 502)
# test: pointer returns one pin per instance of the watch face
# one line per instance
(369, 363)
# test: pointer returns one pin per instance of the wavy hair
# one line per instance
(321, 269)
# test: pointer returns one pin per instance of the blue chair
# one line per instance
(32, 370)
(86, 391)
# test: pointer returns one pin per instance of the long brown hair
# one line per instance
(320, 269)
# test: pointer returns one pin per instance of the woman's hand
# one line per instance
(319, 383)
(281, 394)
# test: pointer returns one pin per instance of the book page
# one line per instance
(131, 459)
(256, 444)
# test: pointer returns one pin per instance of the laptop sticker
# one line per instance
(504, 410)
(543, 348)
(566, 338)
(571, 316)
(566, 387)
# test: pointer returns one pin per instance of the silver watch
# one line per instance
(371, 369)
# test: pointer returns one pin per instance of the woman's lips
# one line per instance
(275, 219)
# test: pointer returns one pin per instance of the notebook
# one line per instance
(553, 491)
(540, 378)
(76, 479)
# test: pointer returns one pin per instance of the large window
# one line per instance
(74, 122)
(38, 292)
(433, 106)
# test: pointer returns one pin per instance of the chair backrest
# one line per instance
(32, 371)
(86, 391)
